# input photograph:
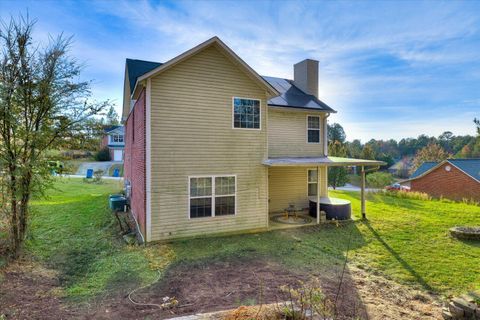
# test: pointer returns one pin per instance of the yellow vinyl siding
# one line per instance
(288, 185)
(192, 134)
(287, 134)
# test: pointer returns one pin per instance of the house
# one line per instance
(455, 179)
(401, 167)
(212, 147)
(113, 139)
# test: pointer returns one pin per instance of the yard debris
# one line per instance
(130, 238)
(464, 307)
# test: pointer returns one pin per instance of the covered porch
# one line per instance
(298, 189)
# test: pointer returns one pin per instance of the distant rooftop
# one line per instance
(290, 95)
(117, 129)
(424, 167)
(469, 166)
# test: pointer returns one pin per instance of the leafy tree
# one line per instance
(87, 137)
(367, 152)
(111, 117)
(477, 123)
(354, 148)
(336, 133)
(386, 158)
(379, 179)
(41, 102)
(432, 152)
(337, 176)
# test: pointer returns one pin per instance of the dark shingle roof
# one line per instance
(111, 128)
(137, 68)
(292, 96)
(469, 166)
(424, 167)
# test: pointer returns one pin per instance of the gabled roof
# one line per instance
(470, 167)
(229, 53)
(424, 167)
(137, 68)
(114, 129)
(292, 96)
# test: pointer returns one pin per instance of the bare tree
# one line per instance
(42, 101)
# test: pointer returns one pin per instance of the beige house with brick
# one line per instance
(212, 147)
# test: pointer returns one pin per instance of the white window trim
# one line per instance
(233, 114)
(111, 141)
(319, 129)
(212, 196)
(309, 183)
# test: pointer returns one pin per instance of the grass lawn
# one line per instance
(73, 232)
(406, 240)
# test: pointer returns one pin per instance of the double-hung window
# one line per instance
(117, 138)
(313, 129)
(312, 183)
(212, 196)
(246, 113)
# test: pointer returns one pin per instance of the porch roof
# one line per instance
(320, 161)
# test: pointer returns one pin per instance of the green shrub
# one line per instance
(379, 179)
(103, 155)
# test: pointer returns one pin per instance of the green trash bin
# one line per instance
(117, 203)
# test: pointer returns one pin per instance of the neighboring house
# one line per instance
(455, 179)
(114, 140)
(212, 147)
(401, 168)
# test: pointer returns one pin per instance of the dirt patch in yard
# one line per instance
(225, 284)
(229, 283)
(386, 299)
(29, 291)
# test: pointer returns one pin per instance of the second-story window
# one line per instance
(246, 113)
(313, 129)
(117, 138)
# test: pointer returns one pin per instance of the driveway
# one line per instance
(351, 187)
(98, 165)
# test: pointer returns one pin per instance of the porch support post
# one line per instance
(362, 194)
(318, 195)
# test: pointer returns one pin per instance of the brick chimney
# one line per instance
(305, 76)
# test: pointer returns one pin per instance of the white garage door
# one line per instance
(117, 155)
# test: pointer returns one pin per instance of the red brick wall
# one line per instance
(134, 160)
(104, 143)
(453, 184)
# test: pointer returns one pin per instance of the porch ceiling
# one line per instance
(320, 161)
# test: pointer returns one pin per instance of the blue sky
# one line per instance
(390, 69)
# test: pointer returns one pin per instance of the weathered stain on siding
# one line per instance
(288, 185)
(192, 135)
(287, 134)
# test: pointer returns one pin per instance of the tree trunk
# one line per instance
(14, 232)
